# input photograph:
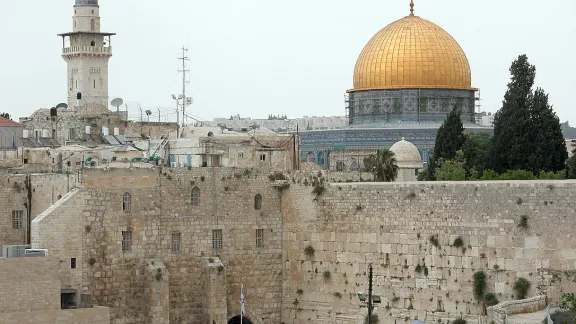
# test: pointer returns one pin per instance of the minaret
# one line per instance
(87, 51)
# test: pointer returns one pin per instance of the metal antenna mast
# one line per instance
(184, 58)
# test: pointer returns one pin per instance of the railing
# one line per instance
(86, 49)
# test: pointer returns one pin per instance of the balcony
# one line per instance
(94, 50)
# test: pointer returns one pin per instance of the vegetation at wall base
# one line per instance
(521, 287)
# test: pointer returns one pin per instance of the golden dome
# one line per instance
(412, 53)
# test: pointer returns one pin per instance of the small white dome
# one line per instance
(406, 152)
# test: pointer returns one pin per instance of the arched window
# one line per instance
(126, 202)
(92, 43)
(195, 196)
(92, 24)
(258, 202)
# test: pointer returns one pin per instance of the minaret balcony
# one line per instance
(94, 50)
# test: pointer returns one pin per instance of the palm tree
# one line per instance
(382, 165)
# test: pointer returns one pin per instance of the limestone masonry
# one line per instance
(172, 245)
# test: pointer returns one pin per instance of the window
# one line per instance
(94, 83)
(258, 202)
(126, 202)
(176, 242)
(217, 239)
(195, 196)
(259, 238)
(92, 24)
(73, 263)
(263, 157)
(126, 241)
(241, 155)
(92, 43)
(17, 219)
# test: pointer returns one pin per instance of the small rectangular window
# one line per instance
(259, 238)
(263, 157)
(217, 239)
(126, 241)
(176, 242)
(73, 263)
(241, 155)
(17, 219)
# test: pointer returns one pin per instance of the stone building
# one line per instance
(407, 79)
(32, 293)
(408, 160)
(10, 134)
(172, 244)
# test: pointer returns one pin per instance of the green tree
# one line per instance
(549, 147)
(449, 140)
(527, 133)
(382, 165)
(5, 115)
(568, 301)
(477, 148)
(571, 166)
(451, 170)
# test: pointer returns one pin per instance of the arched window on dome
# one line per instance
(195, 196)
(258, 202)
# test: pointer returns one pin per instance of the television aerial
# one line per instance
(117, 103)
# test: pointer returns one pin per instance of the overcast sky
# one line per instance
(260, 57)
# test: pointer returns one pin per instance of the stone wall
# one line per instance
(22, 193)
(10, 158)
(161, 206)
(390, 226)
(96, 315)
(498, 313)
(29, 285)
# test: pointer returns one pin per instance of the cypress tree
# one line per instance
(512, 145)
(449, 140)
(549, 147)
(527, 132)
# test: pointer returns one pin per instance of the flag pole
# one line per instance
(241, 303)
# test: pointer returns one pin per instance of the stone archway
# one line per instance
(236, 320)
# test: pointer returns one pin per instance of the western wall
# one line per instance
(348, 224)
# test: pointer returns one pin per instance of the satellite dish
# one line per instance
(62, 105)
(117, 103)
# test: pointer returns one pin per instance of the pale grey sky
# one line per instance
(257, 57)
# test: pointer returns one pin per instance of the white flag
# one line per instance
(242, 311)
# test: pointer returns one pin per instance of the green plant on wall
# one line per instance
(521, 287)
(309, 250)
(479, 284)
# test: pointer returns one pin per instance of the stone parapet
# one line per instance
(498, 313)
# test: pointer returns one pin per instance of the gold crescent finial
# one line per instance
(411, 7)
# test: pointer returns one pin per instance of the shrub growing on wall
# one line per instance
(479, 284)
(521, 287)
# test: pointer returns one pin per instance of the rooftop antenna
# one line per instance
(184, 58)
(117, 103)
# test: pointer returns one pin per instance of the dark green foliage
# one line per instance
(382, 165)
(571, 166)
(299, 291)
(479, 284)
(568, 301)
(375, 319)
(458, 242)
(326, 274)
(309, 250)
(490, 299)
(527, 133)
(451, 170)
(521, 287)
(449, 140)
(434, 240)
(523, 221)
(418, 268)
(337, 295)
(6, 115)
(476, 149)
(459, 321)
